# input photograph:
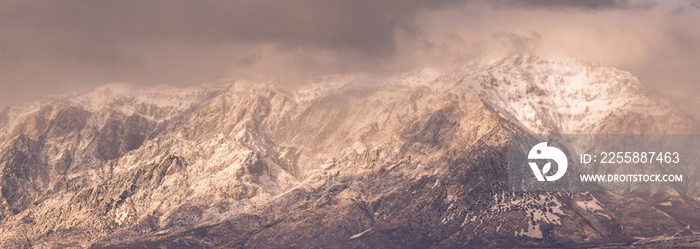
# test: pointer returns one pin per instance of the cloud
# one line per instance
(57, 47)
(577, 4)
(60, 46)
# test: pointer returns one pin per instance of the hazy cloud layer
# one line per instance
(49, 47)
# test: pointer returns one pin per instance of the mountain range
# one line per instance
(410, 160)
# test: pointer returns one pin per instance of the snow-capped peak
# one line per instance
(562, 96)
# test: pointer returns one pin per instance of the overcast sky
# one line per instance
(55, 47)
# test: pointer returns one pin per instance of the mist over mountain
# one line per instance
(407, 160)
(61, 48)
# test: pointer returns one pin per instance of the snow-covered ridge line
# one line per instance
(163, 96)
(542, 95)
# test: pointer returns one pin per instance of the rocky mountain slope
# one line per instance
(413, 160)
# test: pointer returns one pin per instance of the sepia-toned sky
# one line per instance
(56, 47)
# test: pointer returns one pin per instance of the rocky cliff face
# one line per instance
(412, 160)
